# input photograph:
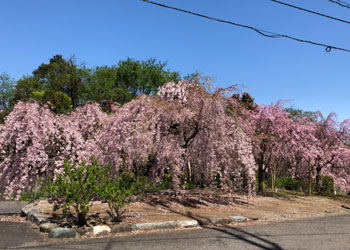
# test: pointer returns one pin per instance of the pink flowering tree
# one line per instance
(185, 132)
(275, 134)
(35, 142)
(188, 131)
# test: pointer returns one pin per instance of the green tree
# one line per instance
(57, 101)
(7, 91)
(295, 113)
(101, 87)
(143, 77)
(25, 88)
(62, 75)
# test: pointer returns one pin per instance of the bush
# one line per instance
(289, 183)
(327, 186)
(285, 182)
(76, 187)
(117, 192)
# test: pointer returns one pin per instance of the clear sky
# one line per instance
(102, 32)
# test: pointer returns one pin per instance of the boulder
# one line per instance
(216, 220)
(61, 232)
(238, 218)
(187, 223)
(37, 217)
(100, 230)
(83, 230)
(156, 225)
(122, 228)
(29, 208)
(47, 227)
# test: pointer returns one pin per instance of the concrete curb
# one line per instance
(34, 215)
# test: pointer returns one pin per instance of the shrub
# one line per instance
(285, 182)
(76, 187)
(117, 192)
(327, 186)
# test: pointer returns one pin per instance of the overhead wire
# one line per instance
(311, 11)
(265, 33)
(341, 3)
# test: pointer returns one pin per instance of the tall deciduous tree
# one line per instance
(274, 131)
(143, 77)
(62, 75)
(7, 90)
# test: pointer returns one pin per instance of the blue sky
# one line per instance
(105, 31)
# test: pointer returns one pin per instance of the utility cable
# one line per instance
(311, 11)
(341, 3)
(260, 31)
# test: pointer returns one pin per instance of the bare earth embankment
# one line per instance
(163, 206)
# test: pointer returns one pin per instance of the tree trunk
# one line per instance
(272, 179)
(318, 179)
(261, 178)
(310, 182)
(189, 172)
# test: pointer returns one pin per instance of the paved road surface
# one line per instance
(16, 234)
(11, 207)
(325, 233)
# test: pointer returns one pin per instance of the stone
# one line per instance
(47, 227)
(215, 220)
(37, 217)
(29, 208)
(156, 225)
(187, 223)
(122, 228)
(82, 230)
(101, 230)
(61, 232)
(238, 218)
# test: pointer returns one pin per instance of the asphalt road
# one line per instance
(324, 233)
(11, 207)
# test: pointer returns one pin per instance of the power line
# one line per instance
(260, 31)
(341, 3)
(312, 12)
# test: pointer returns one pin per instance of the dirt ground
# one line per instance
(200, 205)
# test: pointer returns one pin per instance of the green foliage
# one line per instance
(62, 75)
(32, 195)
(295, 113)
(101, 87)
(117, 192)
(76, 187)
(57, 101)
(143, 77)
(246, 100)
(7, 91)
(327, 186)
(285, 182)
(25, 88)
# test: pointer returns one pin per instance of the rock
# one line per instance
(156, 225)
(122, 228)
(47, 227)
(100, 230)
(37, 217)
(187, 223)
(82, 230)
(238, 218)
(254, 218)
(215, 220)
(29, 208)
(61, 232)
